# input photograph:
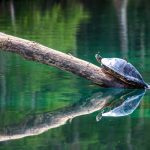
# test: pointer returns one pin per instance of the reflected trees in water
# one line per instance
(121, 10)
(120, 102)
(81, 32)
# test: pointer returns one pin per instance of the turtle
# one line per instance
(122, 70)
(125, 105)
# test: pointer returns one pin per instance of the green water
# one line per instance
(44, 108)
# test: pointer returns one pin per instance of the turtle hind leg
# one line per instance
(99, 117)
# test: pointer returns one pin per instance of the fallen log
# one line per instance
(31, 50)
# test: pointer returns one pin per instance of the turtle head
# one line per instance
(98, 57)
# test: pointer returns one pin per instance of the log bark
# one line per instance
(31, 50)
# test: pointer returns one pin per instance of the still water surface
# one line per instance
(42, 107)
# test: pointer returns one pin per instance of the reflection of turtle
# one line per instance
(122, 108)
(123, 70)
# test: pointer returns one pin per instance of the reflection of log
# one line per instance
(39, 123)
(36, 52)
(124, 100)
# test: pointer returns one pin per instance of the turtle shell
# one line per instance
(123, 69)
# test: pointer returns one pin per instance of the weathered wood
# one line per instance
(36, 52)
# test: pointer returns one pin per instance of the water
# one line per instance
(42, 107)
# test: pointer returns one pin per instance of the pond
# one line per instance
(42, 107)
